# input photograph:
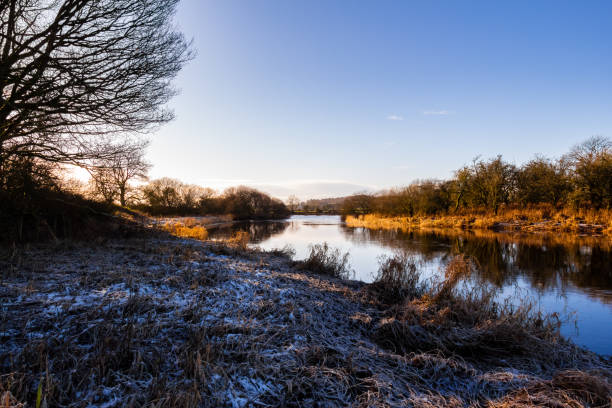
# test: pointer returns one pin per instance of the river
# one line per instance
(565, 274)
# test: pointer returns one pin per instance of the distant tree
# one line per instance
(542, 181)
(488, 184)
(209, 203)
(293, 202)
(163, 193)
(111, 175)
(167, 195)
(591, 163)
(247, 203)
(358, 204)
(72, 71)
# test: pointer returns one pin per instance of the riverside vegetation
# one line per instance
(102, 306)
(159, 320)
(573, 193)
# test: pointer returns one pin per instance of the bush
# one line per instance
(397, 280)
(324, 260)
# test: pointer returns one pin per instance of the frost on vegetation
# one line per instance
(178, 325)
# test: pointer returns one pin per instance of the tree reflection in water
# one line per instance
(545, 261)
(258, 230)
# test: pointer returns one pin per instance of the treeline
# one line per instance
(168, 196)
(580, 179)
(37, 202)
(321, 206)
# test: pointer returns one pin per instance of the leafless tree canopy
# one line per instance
(72, 71)
(111, 176)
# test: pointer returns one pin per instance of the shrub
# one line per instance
(397, 279)
(324, 260)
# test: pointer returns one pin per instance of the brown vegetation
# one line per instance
(573, 193)
(166, 322)
(594, 222)
(325, 260)
(186, 228)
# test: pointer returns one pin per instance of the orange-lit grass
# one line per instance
(188, 228)
(239, 240)
(530, 219)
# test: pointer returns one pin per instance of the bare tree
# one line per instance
(72, 71)
(293, 202)
(111, 175)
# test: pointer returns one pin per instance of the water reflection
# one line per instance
(258, 231)
(545, 261)
(563, 272)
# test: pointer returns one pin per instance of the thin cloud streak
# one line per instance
(394, 117)
(442, 112)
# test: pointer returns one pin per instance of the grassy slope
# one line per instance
(169, 322)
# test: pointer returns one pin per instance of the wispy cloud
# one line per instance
(394, 117)
(442, 112)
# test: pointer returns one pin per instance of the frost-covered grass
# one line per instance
(171, 322)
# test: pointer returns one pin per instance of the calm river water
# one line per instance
(569, 275)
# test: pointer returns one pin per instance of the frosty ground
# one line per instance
(163, 321)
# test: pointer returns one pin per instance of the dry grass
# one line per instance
(324, 260)
(567, 389)
(169, 323)
(397, 280)
(464, 320)
(186, 228)
(239, 240)
(529, 220)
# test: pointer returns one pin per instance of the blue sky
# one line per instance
(325, 98)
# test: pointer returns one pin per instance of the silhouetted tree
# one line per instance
(111, 175)
(72, 71)
(358, 204)
(293, 202)
(247, 203)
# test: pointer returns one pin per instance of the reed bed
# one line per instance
(168, 322)
(527, 220)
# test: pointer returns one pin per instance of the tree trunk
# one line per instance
(122, 195)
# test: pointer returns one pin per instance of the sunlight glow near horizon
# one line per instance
(323, 99)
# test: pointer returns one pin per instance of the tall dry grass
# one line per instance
(186, 228)
(325, 260)
(397, 279)
(530, 219)
(455, 319)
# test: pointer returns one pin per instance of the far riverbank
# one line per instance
(599, 223)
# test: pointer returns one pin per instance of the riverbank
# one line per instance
(589, 223)
(164, 321)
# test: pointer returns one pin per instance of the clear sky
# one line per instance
(326, 98)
